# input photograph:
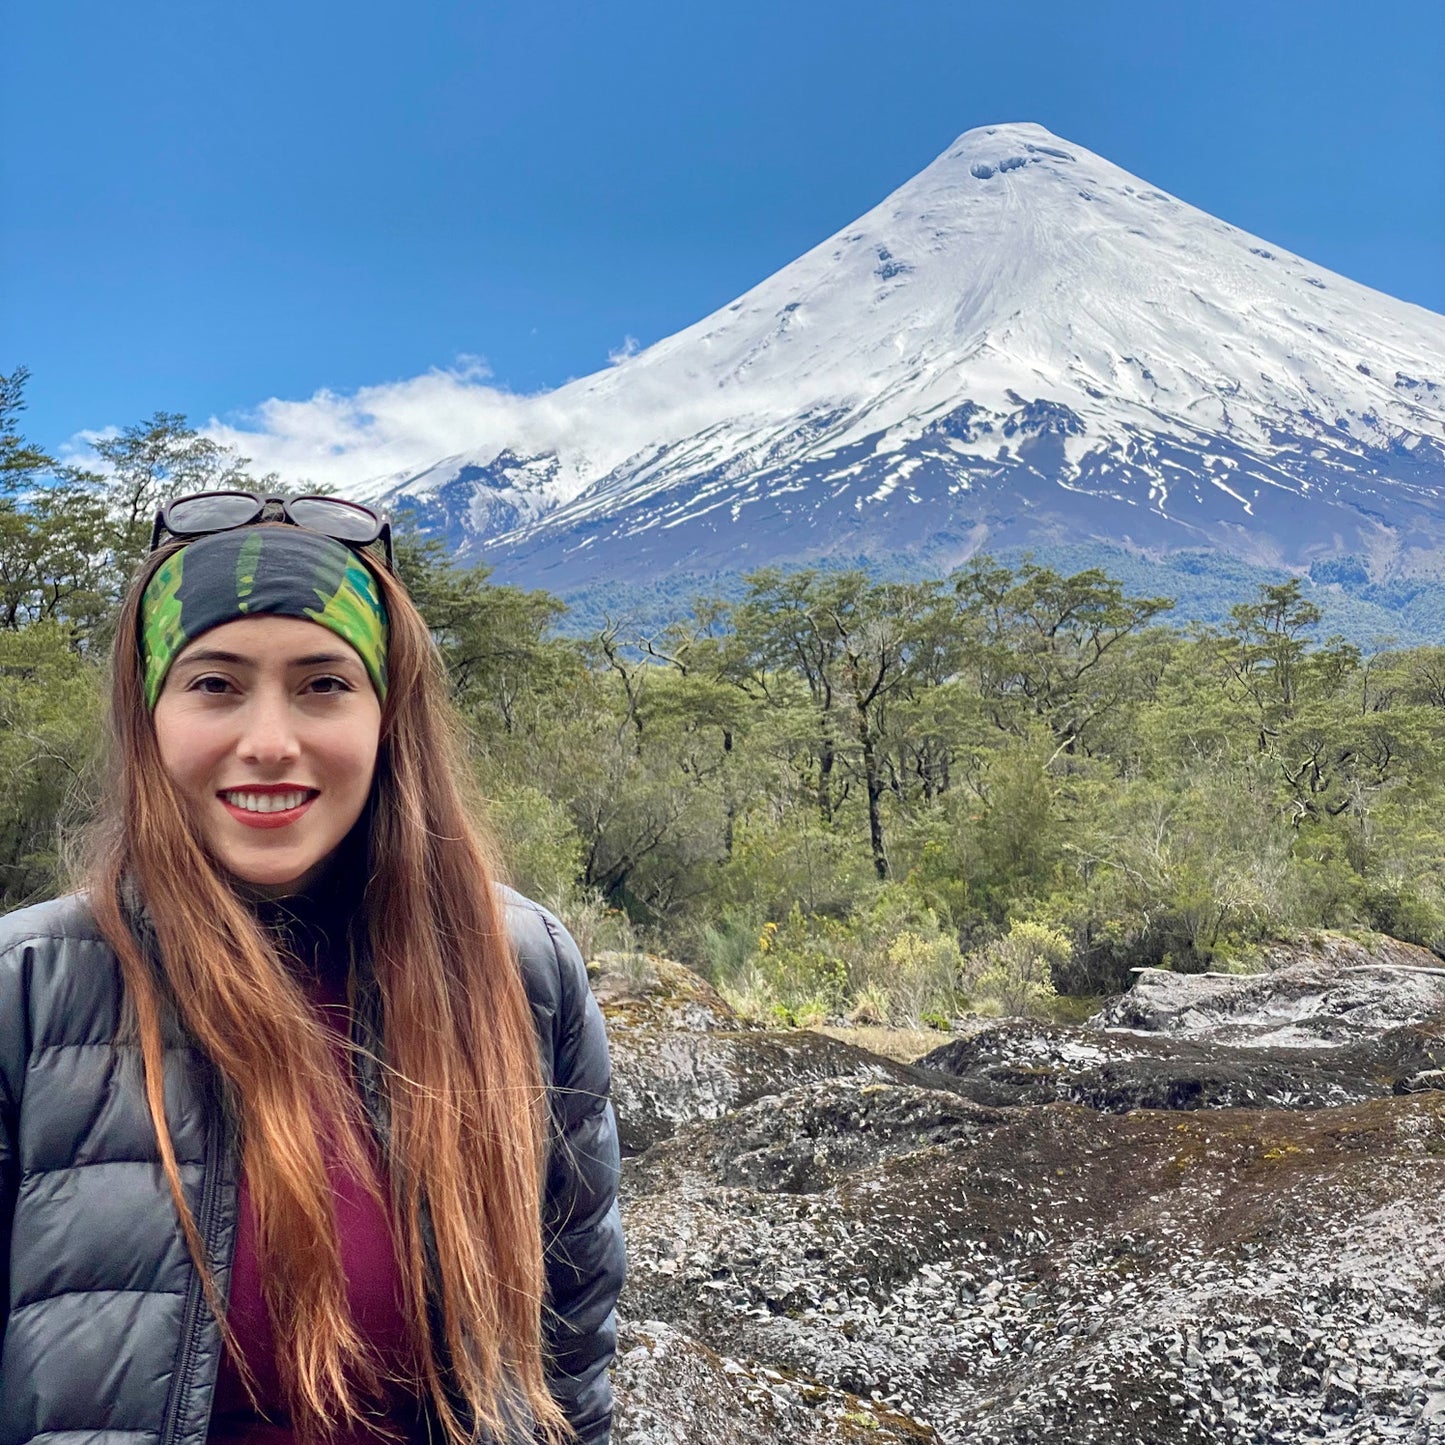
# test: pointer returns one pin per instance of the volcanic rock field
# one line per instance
(1211, 1213)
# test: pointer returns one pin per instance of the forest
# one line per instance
(833, 794)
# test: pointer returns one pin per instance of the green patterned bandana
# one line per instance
(278, 571)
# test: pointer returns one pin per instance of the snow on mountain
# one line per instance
(1023, 344)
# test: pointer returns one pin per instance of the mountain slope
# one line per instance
(1024, 345)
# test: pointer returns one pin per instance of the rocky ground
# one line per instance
(1047, 1234)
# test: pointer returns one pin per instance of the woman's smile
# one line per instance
(268, 805)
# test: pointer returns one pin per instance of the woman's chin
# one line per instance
(274, 878)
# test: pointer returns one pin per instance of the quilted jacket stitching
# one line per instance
(67, 1293)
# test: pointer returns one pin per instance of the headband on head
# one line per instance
(278, 571)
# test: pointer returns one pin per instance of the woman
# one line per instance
(304, 1130)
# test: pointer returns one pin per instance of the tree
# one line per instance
(55, 531)
(498, 642)
(1040, 645)
(1266, 646)
(852, 643)
(149, 463)
(878, 628)
(781, 634)
(20, 462)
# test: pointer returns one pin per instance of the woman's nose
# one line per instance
(268, 732)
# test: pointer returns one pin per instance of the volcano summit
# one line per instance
(1022, 346)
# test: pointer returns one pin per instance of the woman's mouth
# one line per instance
(267, 807)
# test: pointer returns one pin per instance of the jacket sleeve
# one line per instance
(582, 1229)
(12, 1066)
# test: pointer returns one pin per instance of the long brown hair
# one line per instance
(467, 1112)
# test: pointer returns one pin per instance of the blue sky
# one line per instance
(209, 204)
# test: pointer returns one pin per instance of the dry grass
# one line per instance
(905, 1046)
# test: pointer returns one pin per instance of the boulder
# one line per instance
(1327, 992)
(642, 990)
(1332, 1022)
(1019, 1061)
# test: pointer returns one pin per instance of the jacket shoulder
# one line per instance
(61, 919)
(585, 1257)
(552, 967)
(58, 982)
(569, 1026)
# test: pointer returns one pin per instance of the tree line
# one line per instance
(834, 793)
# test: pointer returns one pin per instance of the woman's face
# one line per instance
(269, 726)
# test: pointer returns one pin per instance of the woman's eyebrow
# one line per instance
(214, 654)
(236, 659)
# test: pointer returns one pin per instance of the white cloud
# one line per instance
(630, 346)
(401, 426)
(79, 451)
(358, 441)
(713, 382)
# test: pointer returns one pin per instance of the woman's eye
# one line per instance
(210, 684)
(328, 685)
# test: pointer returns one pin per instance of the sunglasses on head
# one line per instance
(204, 512)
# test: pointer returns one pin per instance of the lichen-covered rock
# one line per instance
(680, 1054)
(642, 990)
(1332, 1023)
(1056, 1275)
(1327, 992)
(665, 1078)
(672, 1390)
(831, 1247)
(1019, 1061)
(1418, 1083)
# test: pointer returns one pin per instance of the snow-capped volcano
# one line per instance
(1023, 344)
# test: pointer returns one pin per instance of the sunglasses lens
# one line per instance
(341, 520)
(209, 512)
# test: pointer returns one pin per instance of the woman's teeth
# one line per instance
(265, 802)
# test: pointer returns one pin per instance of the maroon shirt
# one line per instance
(368, 1250)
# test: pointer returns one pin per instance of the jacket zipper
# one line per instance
(195, 1295)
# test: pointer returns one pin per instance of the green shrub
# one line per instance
(786, 859)
(1016, 972)
(1405, 909)
(802, 970)
(925, 973)
(723, 949)
(535, 836)
(50, 731)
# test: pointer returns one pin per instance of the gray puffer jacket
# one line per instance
(104, 1335)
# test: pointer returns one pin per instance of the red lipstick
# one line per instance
(281, 818)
